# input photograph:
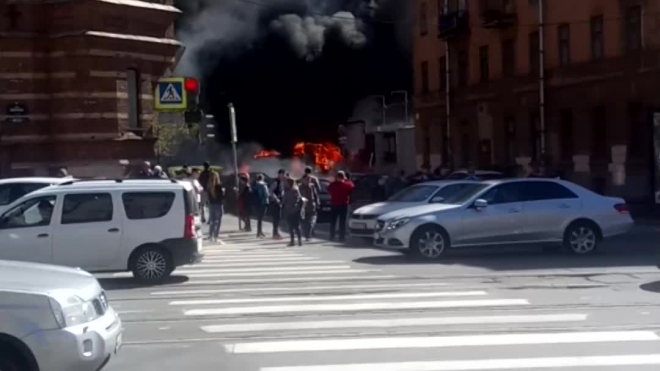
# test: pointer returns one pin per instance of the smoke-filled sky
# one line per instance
(293, 68)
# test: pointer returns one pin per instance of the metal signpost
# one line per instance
(234, 137)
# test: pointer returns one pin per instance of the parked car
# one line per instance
(12, 189)
(54, 319)
(323, 215)
(517, 211)
(481, 174)
(149, 227)
(363, 220)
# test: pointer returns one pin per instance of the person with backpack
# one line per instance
(245, 201)
(293, 206)
(262, 199)
(276, 194)
(309, 191)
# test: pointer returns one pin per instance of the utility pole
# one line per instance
(542, 82)
(234, 138)
(447, 141)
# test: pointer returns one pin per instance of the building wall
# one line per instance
(498, 113)
(68, 63)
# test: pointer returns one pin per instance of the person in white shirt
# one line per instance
(192, 177)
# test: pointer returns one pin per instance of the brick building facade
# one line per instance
(601, 84)
(76, 83)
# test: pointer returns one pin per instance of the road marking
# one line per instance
(439, 341)
(258, 264)
(329, 298)
(325, 270)
(344, 307)
(389, 323)
(293, 279)
(300, 288)
(242, 259)
(487, 364)
(272, 269)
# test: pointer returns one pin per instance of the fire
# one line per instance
(266, 154)
(324, 155)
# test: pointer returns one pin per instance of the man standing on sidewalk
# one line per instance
(204, 178)
(340, 195)
(277, 194)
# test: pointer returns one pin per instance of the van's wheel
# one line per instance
(151, 264)
(9, 362)
(581, 238)
(429, 242)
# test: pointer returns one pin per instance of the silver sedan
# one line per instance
(507, 212)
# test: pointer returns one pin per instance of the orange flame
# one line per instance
(324, 155)
(266, 154)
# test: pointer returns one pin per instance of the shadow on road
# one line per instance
(128, 283)
(508, 258)
(651, 286)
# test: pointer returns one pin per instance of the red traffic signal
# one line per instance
(192, 85)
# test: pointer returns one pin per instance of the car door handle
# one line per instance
(514, 211)
(564, 206)
(42, 235)
(113, 230)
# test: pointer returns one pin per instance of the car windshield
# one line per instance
(414, 194)
(465, 194)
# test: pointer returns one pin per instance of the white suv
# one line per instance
(54, 319)
(148, 227)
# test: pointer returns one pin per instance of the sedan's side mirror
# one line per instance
(480, 204)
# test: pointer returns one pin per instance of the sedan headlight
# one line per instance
(72, 311)
(397, 223)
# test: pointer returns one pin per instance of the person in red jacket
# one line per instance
(340, 195)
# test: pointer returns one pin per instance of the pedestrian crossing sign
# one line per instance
(171, 94)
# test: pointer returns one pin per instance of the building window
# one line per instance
(441, 11)
(599, 133)
(566, 133)
(597, 38)
(534, 53)
(425, 77)
(508, 58)
(427, 146)
(564, 43)
(510, 139)
(634, 28)
(638, 141)
(462, 68)
(133, 80)
(389, 154)
(423, 19)
(442, 71)
(483, 64)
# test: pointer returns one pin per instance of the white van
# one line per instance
(149, 227)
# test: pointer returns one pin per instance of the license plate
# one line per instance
(118, 343)
(360, 225)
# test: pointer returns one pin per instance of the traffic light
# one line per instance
(193, 114)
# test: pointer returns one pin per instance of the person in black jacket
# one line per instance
(245, 201)
(216, 198)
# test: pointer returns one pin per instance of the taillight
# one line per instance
(621, 208)
(189, 229)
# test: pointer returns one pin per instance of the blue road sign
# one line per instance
(171, 95)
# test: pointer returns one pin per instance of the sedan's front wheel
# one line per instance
(581, 238)
(429, 242)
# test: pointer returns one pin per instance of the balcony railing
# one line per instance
(453, 24)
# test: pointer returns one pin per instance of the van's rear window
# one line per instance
(147, 205)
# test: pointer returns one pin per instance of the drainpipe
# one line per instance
(448, 98)
(542, 81)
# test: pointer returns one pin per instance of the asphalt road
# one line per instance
(258, 305)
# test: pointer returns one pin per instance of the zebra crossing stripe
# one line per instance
(488, 364)
(348, 307)
(329, 298)
(309, 345)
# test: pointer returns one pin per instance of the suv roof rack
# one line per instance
(73, 181)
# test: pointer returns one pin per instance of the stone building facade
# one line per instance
(77, 81)
(601, 76)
